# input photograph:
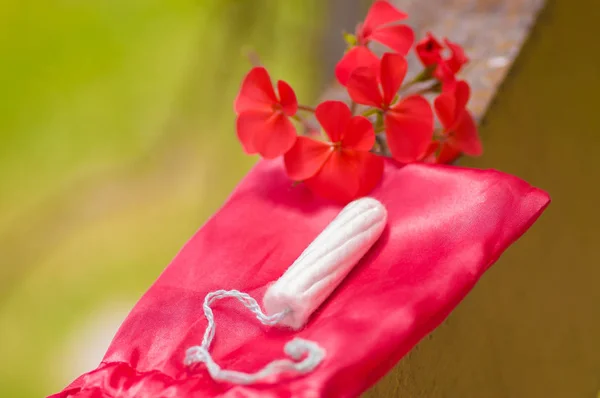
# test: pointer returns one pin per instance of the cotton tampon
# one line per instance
(325, 262)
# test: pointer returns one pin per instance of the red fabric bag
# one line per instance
(446, 226)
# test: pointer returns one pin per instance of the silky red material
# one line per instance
(446, 226)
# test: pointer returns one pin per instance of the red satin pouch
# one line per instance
(446, 226)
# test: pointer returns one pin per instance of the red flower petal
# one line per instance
(399, 38)
(458, 57)
(444, 74)
(363, 87)
(445, 108)
(448, 80)
(464, 135)
(269, 135)
(246, 125)
(380, 13)
(450, 107)
(429, 50)
(306, 158)
(429, 156)
(287, 98)
(451, 103)
(393, 71)
(333, 117)
(409, 129)
(371, 172)
(339, 178)
(359, 134)
(357, 57)
(462, 93)
(448, 154)
(347, 175)
(256, 93)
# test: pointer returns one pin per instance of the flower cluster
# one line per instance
(386, 115)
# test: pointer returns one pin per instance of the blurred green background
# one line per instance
(116, 143)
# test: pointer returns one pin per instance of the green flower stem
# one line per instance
(379, 126)
(306, 108)
(370, 112)
(440, 135)
(252, 57)
(425, 75)
(408, 85)
(306, 124)
(434, 88)
(382, 145)
(350, 39)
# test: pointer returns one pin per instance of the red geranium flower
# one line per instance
(409, 121)
(263, 124)
(460, 131)
(429, 50)
(342, 169)
(381, 26)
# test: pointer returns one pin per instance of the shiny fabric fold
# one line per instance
(446, 226)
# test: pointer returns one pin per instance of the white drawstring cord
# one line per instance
(295, 348)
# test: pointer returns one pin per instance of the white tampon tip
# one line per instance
(326, 262)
